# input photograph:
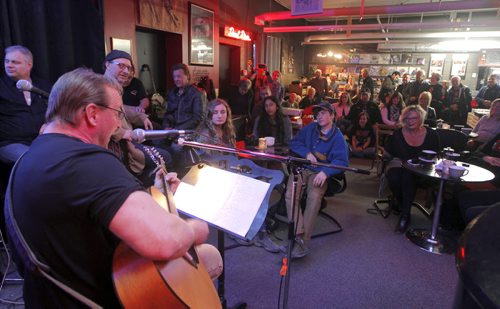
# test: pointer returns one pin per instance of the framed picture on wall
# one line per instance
(201, 35)
(459, 64)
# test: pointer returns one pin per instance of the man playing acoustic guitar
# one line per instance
(74, 201)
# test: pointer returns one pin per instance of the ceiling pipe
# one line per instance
(493, 22)
(440, 6)
(395, 35)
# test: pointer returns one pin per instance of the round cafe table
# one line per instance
(430, 240)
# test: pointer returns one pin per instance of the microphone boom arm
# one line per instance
(261, 155)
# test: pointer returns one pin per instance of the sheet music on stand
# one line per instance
(224, 199)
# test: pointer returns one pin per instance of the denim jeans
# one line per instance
(10, 153)
(304, 221)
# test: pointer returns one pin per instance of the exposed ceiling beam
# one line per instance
(492, 22)
(395, 35)
(465, 5)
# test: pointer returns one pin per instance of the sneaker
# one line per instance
(265, 242)
(300, 249)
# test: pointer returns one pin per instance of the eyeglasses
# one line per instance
(121, 113)
(122, 66)
(408, 119)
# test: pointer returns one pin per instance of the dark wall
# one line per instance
(61, 34)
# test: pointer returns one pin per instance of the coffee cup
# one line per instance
(429, 155)
(446, 166)
(457, 171)
(269, 141)
(262, 143)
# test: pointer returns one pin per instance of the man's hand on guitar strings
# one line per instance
(200, 230)
(171, 179)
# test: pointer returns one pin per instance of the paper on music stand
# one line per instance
(222, 198)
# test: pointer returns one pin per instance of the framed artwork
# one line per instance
(201, 35)
(459, 64)
(437, 63)
(121, 44)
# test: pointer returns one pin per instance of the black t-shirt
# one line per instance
(134, 93)
(20, 122)
(65, 194)
(362, 135)
(399, 148)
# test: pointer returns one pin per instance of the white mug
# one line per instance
(269, 141)
(262, 143)
(457, 171)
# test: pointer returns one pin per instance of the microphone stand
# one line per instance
(297, 165)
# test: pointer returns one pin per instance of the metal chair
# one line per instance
(336, 185)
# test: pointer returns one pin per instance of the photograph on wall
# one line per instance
(437, 63)
(459, 64)
(406, 59)
(384, 59)
(374, 70)
(201, 30)
(395, 59)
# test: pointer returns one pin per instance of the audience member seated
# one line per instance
(365, 105)
(241, 101)
(308, 100)
(277, 89)
(272, 122)
(362, 137)
(23, 113)
(430, 113)
(472, 200)
(292, 101)
(323, 142)
(416, 88)
(185, 102)
(320, 84)
(438, 93)
(407, 143)
(342, 109)
(217, 126)
(184, 111)
(489, 92)
(134, 93)
(487, 127)
(392, 111)
(458, 103)
(295, 87)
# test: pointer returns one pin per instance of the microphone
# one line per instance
(140, 135)
(25, 85)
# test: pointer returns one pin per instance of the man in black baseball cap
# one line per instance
(118, 64)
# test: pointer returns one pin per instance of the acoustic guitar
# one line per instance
(179, 283)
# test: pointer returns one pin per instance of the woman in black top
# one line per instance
(408, 143)
(272, 122)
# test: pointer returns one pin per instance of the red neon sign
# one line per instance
(236, 33)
